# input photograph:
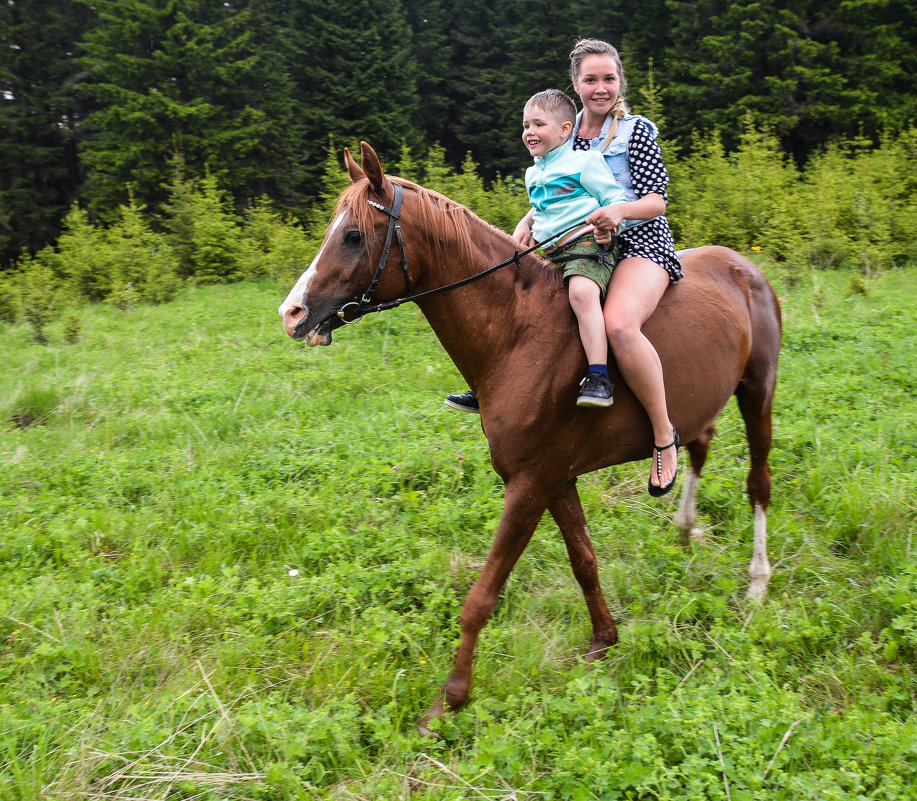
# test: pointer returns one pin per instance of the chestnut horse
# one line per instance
(513, 337)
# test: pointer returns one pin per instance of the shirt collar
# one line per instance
(595, 140)
(556, 153)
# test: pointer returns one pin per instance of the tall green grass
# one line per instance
(233, 568)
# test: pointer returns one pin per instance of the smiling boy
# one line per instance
(564, 187)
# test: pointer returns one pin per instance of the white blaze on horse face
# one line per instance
(297, 296)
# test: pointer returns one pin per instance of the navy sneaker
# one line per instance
(466, 402)
(595, 390)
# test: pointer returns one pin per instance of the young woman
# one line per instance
(648, 263)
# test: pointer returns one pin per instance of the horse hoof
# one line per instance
(435, 712)
(598, 649)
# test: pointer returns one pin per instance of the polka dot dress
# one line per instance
(653, 239)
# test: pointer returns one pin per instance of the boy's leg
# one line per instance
(586, 301)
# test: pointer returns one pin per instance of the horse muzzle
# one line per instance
(319, 334)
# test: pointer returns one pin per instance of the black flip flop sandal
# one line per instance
(658, 492)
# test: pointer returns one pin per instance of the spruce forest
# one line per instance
(101, 97)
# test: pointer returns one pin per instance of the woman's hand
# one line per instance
(606, 220)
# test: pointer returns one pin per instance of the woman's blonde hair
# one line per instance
(596, 47)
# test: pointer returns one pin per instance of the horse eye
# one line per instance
(353, 237)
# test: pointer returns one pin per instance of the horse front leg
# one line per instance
(567, 512)
(522, 509)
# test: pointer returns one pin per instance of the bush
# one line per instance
(278, 247)
(854, 205)
(204, 235)
(138, 260)
(35, 294)
(79, 258)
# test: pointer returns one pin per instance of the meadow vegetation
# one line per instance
(233, 567)
(853, 206)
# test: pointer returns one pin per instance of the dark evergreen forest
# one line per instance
(99, 95)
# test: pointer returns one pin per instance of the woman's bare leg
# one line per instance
(636, 287)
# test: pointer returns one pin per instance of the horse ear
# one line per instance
(372, 167)
(352, 167)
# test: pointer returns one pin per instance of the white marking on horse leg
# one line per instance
(760, 569)
(297, 296)
(686, 516)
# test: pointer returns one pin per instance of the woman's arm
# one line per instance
(645, 208)
(649, 178)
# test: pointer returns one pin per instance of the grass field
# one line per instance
(232, 568)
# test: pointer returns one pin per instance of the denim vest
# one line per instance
(616, 154)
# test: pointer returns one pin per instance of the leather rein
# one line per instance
(365, 305)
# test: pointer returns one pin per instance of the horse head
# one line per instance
(348, 272)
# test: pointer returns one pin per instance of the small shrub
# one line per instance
(72, 328)
(856, 286)
(33, 407)
(204, 235)
(278, 247)
(35, 295)
(7, 298)
(80, 257)
(139, 260)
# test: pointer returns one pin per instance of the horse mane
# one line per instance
(450, 223)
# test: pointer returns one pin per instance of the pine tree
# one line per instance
(191, 77)
(356, 77)
(39, 115)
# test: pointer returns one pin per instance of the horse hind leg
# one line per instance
(755, 406)
(567, 512)
(686, 517)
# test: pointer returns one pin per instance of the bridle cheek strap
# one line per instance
(394, 214)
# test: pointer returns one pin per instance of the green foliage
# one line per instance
(72, 328)
(852, 206)
(839, 213)
(40, 112)
(356, 78)
(37, 296)
(79, 258)
(741, 200)
(334, 179)
(98, 94)
(202, 231)
(196, 77)
(503, 204)
(31, 406)
(279, 247)
(238, 568)
(140, 262)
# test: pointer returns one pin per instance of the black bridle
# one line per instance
(365, 305)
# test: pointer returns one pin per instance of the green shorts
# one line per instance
(598, 271)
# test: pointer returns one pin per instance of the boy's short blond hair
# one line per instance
(556, 103)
